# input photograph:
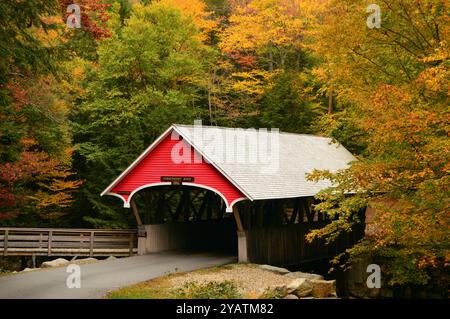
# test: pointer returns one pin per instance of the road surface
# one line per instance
(100, 277)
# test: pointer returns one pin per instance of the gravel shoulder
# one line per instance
(231, 281)
(251, 280)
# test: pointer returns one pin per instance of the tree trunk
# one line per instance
(330, 100)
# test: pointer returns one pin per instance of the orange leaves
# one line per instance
(51, 177)
(198, 11)
(56, 190)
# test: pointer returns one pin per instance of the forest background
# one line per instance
(77, 105)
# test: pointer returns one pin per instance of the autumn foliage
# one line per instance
(78, 105)
(396, 79)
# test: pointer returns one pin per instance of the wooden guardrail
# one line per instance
(67, 242)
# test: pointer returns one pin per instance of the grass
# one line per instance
(210, 290)
(4, 272)
(276, 293)
(154, 289)
(161, 288)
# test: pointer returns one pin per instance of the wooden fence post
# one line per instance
(131, 243)
(91, 246)
(5, 245)
(50, 235)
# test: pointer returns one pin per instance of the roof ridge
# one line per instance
(226, 127)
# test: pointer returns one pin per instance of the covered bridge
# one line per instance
(198, 187)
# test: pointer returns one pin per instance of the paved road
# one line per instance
(100, 277)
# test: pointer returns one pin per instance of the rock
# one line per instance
(279, 291)
(55, 263)
(323, 288)
(299, 274)
(300, 287)
(290, 296)
(293, 285)
(111, 258)
(274, 269)
(28, 269)
(304, 289)
(84, 260)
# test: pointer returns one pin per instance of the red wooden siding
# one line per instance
(158, 162)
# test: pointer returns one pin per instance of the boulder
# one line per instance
(300, 287)
(293, 285)
(55, 263)
(299, 274)
(274, 269)
(28, 269)
(290, 296)
(111, 258)
(323, 288)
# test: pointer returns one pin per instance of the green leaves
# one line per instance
(148, 76)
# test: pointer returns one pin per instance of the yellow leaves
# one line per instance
(253, 82)
(55, 182)
(197, 10)
(261, 23)
(440, 54)
(245, 33)
(435, 78)
(56, 193)
(50, 37)
(321, 73)
(46, 200)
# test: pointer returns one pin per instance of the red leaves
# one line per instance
(18, 94)
(246, 61)
(93, 16)
(29, 165)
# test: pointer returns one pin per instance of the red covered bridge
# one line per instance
(184, 186)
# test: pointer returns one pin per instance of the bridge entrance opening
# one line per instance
(180, 217)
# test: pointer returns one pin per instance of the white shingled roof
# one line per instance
(281, 177)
